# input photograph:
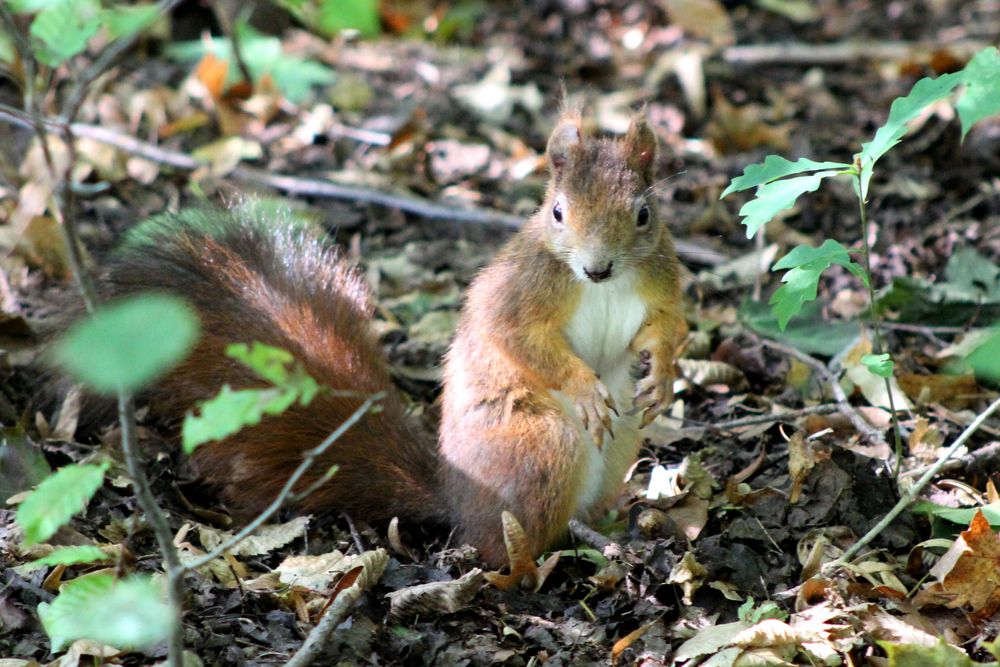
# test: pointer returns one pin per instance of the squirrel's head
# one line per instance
(599, 215)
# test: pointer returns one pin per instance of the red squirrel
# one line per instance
(564, 351)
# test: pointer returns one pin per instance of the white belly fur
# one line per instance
(600, 332)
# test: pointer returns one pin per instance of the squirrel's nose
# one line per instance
(598, 275)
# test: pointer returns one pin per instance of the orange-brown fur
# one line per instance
(506, 442)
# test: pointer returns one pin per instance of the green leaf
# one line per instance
(961, 516)
(903, 110)
(57, 499)
(230, 411)
(981, 97)
(774, 167)
(808, 332)
(32, 6)
(124, 20)
(128, 343)
(941, 654)
(985, 359)
(271, 363)
(64, 29)
(776, 196)
(127, 613)
(263, 55)
(805, 266)
(970, 289)
(878, 364)
(336, 16)
(73, 556)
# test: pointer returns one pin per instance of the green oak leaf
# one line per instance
(903, 110)
(774, 167)
(805, 265)
(777, 196)
(981, 97)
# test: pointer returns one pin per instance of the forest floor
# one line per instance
(771, 476)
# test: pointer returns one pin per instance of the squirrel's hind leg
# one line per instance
(540, 488)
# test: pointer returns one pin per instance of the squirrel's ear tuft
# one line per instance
(564, 141)
(640, 147)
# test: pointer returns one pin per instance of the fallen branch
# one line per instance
(974, 458)
(289, 184)
(842, 52)
(911, 494)
(312, 187)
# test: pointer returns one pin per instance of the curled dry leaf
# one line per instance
(801, 460)
(265, 540)
(704, 373)
(436, 598)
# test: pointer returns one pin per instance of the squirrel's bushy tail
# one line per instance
(255, 276)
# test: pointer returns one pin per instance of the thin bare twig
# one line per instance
(972, 458)
(911, 494)
(788, 415)
(228, 25)
(287, 489)
(859, 422)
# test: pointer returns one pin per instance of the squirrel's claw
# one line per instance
(594, 410)
(653, 391)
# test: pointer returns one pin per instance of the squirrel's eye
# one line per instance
(642, 219)
(557, 212)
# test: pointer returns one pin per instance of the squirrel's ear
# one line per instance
(640, 147)
(564, 140)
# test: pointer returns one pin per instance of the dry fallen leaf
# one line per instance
(707, 19)
(436, 598)
(967, 572)
(956, 392)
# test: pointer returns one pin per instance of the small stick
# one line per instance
(316, 639)
(581, 531)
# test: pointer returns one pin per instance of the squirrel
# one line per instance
(563, 353)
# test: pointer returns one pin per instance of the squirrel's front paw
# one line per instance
(654, 389)
(594, 406)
